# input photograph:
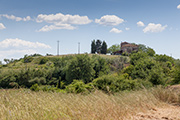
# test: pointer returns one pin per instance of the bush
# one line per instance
(114, 83)
(80, 68)
(78, 86)
(49, 88)
(101, 66)
(27, 59)
(39, 81)
(35, 87)
(43, 60)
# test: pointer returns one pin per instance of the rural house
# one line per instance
(126, 48)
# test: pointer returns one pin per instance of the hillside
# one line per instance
(84, 72)
(87, 86)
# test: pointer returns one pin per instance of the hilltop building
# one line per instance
(127, 48)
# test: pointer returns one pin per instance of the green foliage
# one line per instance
(35, 87)
(113, 48)
(176, 75)
(142, 48)
(164, 58)
(98, 46)
(104, 48)
(117, 64)
(35, 55)
(113, 83)
(156, 77)
(27, 59)
(93, 47)
(48, 88)
(39, 81)
(150, 52)
(100, 66)
(43, 60)
(137, 56)
(80, 68)
(147, 50)
(78, 86)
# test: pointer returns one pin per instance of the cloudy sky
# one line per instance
(35, 26)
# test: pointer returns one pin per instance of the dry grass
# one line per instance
(23, 104)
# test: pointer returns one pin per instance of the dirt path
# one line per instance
(166, 113)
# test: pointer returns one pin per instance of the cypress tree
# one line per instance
(93, 47)
(104, 48)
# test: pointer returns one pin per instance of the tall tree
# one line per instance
(104, 48)
(98, 46)
(93, 46)
(80, 68)
(114, 48)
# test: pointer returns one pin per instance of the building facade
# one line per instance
(127, 48)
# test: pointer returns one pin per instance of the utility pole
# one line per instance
(78, 47)
(58, 48)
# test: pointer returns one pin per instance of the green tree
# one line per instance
(142, 48)
(104, 48)
(176, 76)
(137, 56)
(150, 52)
(164, 58)
(7, 61)
(98, 46)
(80, 68)
(93, 46)
(113, 48)
(101, 66)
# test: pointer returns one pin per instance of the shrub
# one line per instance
(49, 88)
(80, 68)
(43, 60)
(27, 59)
(114, 83)
(35, 87)
(78, 86)
(39, 81)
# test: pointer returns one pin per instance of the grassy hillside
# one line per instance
(18, 64)
(85, 72)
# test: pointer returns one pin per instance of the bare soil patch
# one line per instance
(168, 112)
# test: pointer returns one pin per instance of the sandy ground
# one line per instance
(166, 113)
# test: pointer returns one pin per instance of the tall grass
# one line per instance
(23, 104)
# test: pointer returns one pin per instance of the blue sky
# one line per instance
(34, 26)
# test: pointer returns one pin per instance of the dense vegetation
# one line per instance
(85, 73)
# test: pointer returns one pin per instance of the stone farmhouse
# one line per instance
(127, 48)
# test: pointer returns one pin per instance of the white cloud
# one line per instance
(140, 24)
(178, 7)
(115, 30)
(127, 29)
(2, 26)
(16, 48)
(47, 28)
(63, 19)
(154, 28)
(18, 43)
(109, 20)
(18, 53)
(12, 17)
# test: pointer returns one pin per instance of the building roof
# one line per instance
(130, 45)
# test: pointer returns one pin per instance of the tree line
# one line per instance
(97, 46)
